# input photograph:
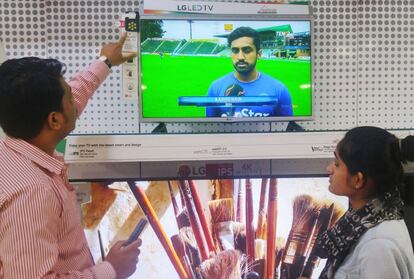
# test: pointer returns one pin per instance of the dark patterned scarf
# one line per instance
(336, 243)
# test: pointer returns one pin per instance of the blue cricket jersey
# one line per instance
(264, 85)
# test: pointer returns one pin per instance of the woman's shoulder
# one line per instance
(388, 229)
(392, 234)
(384, 251)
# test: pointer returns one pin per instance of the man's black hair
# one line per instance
(30, 90)
(245, 32)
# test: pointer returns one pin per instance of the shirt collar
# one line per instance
(53, 164)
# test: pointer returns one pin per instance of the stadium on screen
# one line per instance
(180, 59)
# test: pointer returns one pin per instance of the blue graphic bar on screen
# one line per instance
(227, 101)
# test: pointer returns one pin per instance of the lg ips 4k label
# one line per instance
(209, 170)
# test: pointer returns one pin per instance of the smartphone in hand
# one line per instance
(137, 231)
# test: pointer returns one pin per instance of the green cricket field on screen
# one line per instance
(181, 58)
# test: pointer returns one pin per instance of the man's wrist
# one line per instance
(104, 270)
(105, 59)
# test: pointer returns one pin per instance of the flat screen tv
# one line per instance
(214, 69)
(302, 203)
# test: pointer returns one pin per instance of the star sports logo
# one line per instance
(245, 112)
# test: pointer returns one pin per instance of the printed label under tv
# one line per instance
(198, 68)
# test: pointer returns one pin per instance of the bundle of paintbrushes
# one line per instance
(328, 215)
(311, 217)
(305, 215)
(232, 245)
(258, 246)
(219, 259)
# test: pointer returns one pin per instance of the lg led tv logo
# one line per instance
(195, 8)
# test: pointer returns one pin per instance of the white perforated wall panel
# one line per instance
(362, 68)
(23, 28)
(76, 31)
(385, 64)
(335, 65)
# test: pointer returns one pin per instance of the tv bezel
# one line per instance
(212, 17)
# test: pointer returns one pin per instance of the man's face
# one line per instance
(244, 55)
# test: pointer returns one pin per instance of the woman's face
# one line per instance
(340, 180)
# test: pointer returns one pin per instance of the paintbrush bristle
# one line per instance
(305, 217)
(178, 245)
(258, 268)
(280, 248)
(300, 205)
(259, 248)
(221, 210)
(182, 219)
(187, 236)
(239, 231)
(338, 212)
(261, 230)
(305, 209)
(280, 242)
(224, 265)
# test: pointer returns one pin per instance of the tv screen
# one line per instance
(304, 206)
(225, 70)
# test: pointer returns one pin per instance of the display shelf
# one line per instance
(202, 156)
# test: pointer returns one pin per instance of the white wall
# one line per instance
(362, 66)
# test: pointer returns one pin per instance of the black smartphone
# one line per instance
(137, 231)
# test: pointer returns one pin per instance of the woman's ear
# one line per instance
(359, 180)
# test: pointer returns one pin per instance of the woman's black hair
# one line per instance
(377, 154)
(30, 90)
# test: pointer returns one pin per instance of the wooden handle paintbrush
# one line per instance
(239, 210)
(324, 218)
(222, 215)
(101, 248)
(202, 216)
(146, 207)
(173, 201)
(194, 221)
(250, 235)
(271, 229)
(174, 204)
(179, 247)
(261, 227)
